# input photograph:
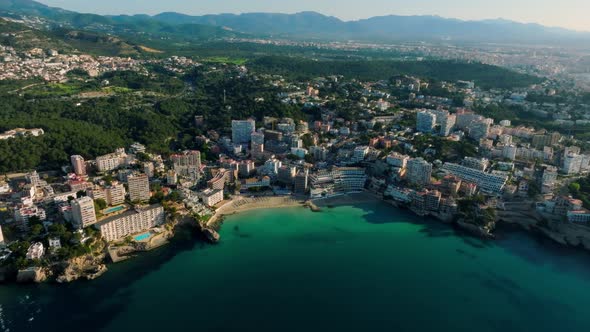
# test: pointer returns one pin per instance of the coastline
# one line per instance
(243, 204)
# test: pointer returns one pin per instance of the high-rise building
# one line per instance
(83, 212)
(257, 146)
(139, 187)
(349, 179)
(148, 168)
(419, 171)
(242, 130)
(539, 141)
(78, 164)
(171, 177)
(115, 194)
(286, 174)
(509, 152)
(187, 159)
(111, 161)
(447, 124)
(488, 182)
(131, 222)
(301, 182)
(480, 164)
(572, 163)
(425, 121)
(479, 129)
(187, 164)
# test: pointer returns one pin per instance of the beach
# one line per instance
(243, 204)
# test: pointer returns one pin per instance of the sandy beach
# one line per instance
(243, 204)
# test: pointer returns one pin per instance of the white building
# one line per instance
(397, 160)
(476, 163)
(139, 187)
(509, 152)
(447, 124)
(349, 179)
(131, 222)
(210, 197)
(425, 121)
(419, 171)
(359, 154)
(487, 182)
(171, 177)
(78, 164)
(111, 161)
(36, 251)
(572, 163)
(83, 212)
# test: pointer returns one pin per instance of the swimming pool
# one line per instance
(114, 209)
(142, 237)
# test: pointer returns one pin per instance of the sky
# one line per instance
(572, 14)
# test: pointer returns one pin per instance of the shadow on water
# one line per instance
(541, 251)
(239, 233)
(381, 213)
(526, 302)
(534, 248)
(87, 305)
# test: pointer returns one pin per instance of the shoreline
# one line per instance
(243, 204)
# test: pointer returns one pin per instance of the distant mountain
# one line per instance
(392, 27)
(304, 25)
(24, 38)
(137, 25)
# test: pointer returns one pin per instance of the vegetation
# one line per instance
(485, 76)
(581, 190)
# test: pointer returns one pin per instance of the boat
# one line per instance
(211, 235)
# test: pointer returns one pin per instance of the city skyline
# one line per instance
(569, 14)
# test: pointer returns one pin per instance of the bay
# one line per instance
(367, 267)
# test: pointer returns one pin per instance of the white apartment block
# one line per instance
(487, 182)
(131, 222)
(111, 161)
(210, 197)
(139, 187)
(83, 212)
(419, 171)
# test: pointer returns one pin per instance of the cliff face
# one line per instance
(33, 274)
(88, 267)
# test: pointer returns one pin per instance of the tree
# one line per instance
(36, 230)
(100, 204)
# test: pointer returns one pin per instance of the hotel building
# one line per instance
(83, 212)
(131, 222)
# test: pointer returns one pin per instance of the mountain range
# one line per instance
(304, 25)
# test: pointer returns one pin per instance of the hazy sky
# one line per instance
(573, 14)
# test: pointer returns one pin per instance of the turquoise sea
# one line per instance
(368, 267)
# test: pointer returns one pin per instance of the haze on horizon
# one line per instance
(571, 14)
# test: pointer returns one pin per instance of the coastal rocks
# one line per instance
(211, 235)
(474, 229)
(32, 274)
(312, 206)
(87, 267)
